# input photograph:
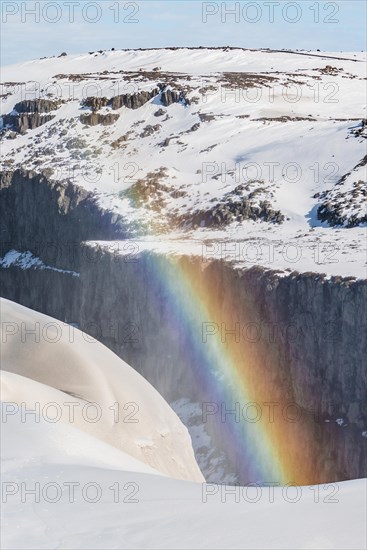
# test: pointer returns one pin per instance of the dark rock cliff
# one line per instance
(92, 119)
(36, 106)
(30, 114)
(133, 101)
(38, 214)
(308, 349)
(26, 121)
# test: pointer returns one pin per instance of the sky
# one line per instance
(31, 29)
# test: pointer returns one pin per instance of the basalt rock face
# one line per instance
(133, 101)
(95, 103)
(30, 114)
(309, 323)
(43, 290)
(137, 100)
(308, 346)
(93, 119)
(36, 106)
(23, 122)
(168, 97)
(297, 340)
(36, 213)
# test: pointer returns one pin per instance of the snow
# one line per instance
(47, 361)
(27, 260)
(48, 440)
(196, 61)
(290, 159)
(325, 251)
(92, 498)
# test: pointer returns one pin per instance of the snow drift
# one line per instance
(107, 501)
(67, 376)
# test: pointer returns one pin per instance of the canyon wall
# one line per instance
(297, 341)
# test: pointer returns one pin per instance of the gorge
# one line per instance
(246, 356)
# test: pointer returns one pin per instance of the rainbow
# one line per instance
(275, 448)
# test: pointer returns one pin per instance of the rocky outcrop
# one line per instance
(30, 114)
(160, 112)
(121, 141)
(223, 214)
(132, 101)
(93, 119)
(242, 203)
(150, 129)
(168, 97)
(22, 123)
(40, 106)
(95, 103)
(345, 203)
(334, 214)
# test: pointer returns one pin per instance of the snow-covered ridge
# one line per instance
(197, 141)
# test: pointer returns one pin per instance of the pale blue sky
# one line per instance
(341, 26)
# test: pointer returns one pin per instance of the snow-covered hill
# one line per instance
(206, 144)
(68, 377)
(87, 496)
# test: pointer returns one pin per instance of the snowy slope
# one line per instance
(48, 440)
(84, 503)
(258, 141)
(91, 389)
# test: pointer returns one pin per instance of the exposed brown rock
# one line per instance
(93, 119)
(133, 101)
